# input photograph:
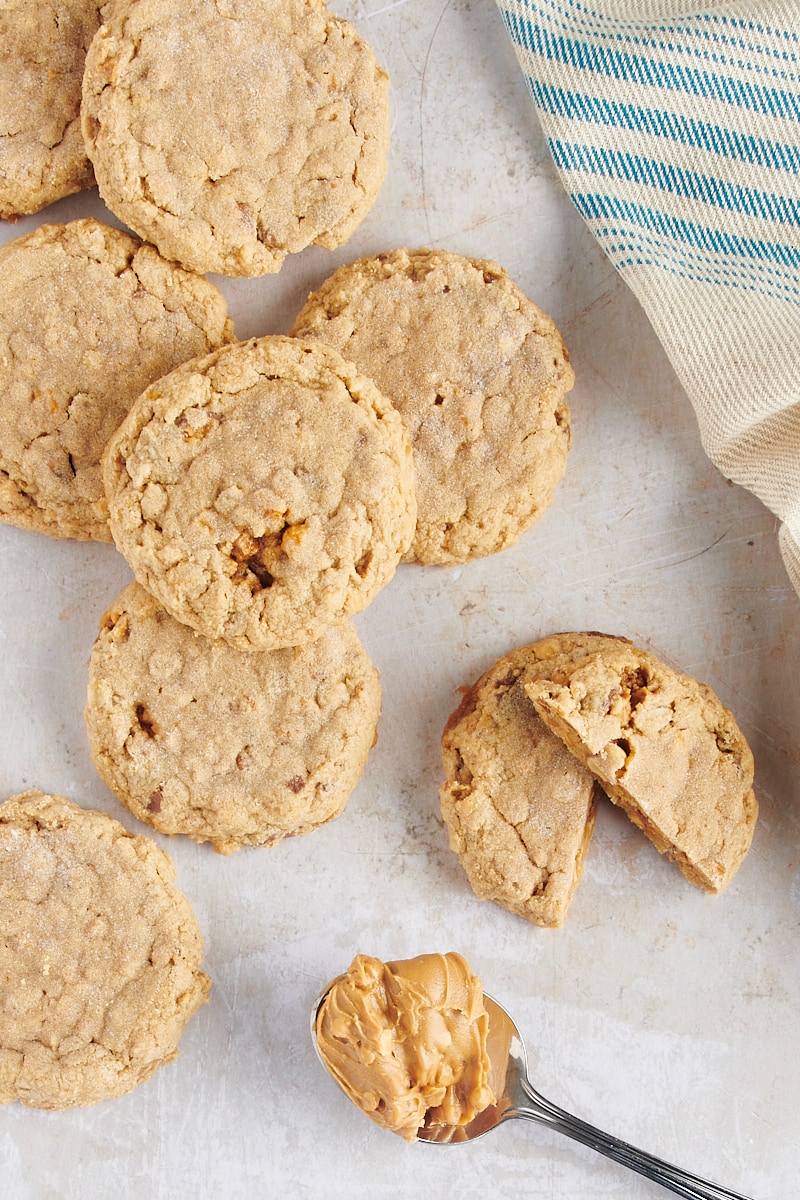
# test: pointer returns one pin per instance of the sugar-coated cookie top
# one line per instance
(477, 372)
(99, 956)
(231, 133)
(88, 317)
(201, 739)
(262, 492)
(43, 46)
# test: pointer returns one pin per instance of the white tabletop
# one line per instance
(665, 1015)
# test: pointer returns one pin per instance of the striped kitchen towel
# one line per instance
(675, 127)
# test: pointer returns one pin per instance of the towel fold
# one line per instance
(675, 128)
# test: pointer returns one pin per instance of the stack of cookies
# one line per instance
(263, 492)
(267, 491)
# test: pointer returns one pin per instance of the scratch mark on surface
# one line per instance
(377, 12)
(677, 561)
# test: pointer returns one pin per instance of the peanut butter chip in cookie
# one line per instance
(478, 374)
(262, 493)
(237, 749)
(663, 746)
(232, 134)
(88, 317)
(99, 955)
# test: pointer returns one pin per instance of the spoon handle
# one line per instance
(683, 1183)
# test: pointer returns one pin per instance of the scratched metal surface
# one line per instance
(665, 1015)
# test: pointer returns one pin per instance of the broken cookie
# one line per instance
(663, 746)
(519, 808)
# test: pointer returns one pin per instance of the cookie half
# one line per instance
(99, 957)
(663, 746)
(42, 52)
(237, 749)
(263, 492)
(233, 134)
(477, 372)
(519, 808)
(88, 317)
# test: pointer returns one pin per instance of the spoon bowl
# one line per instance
(517, 1098)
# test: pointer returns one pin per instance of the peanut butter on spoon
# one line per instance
(407, 1042)
(424, 1052)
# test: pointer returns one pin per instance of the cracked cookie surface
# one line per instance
(99, 957)
(237, 749)
(478, 374)
(42, 51)
(663, 746)
(262, 492)
(233, 133)
(518, 806)
(88, 317)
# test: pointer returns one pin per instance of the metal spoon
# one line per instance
(518, 1098)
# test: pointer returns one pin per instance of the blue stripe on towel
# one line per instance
(707, 27)
(634, 68)
(666, 177)
(628, 247)
(685, 131)
(594, 207)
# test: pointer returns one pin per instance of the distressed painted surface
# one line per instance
(668, 1016)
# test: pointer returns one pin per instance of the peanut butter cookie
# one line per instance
(99, 956)
(263, 492)
(663, 746)
(518, 806)
(477, 372)
(231, 133)
(88, 317)
(225, 746)
(42, 51)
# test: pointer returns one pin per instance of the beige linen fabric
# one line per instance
(675, 127)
